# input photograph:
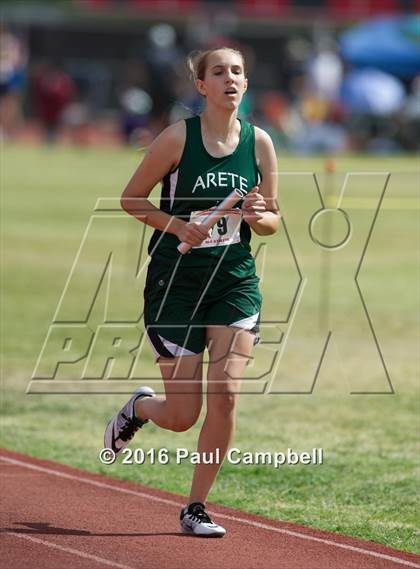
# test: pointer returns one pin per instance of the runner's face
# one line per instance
(224, 81)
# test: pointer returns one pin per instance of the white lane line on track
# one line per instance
(326, 541)
(70, 550)
(260, 525)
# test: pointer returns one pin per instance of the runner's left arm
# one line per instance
(260, 208)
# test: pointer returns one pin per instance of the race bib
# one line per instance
(225, 231)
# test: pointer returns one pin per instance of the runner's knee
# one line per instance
(221, 403)
(180, 422)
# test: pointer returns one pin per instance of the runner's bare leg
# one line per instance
(229, 350)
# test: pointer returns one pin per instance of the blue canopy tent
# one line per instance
(389, 44)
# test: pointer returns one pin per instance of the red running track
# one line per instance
(57, 517)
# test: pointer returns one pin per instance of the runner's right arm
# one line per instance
(163, 155)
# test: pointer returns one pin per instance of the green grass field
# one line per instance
(368, 482)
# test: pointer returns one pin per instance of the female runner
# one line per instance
(208, 297)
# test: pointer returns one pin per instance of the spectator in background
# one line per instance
(162, 57)
(325, 71)
(53, 91)
(323, 131)
(275, 115)
(135, 104)
(13, 61)
(319, 109)
(409, 119)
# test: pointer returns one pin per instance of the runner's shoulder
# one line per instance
(174, 134)
(262, 138)
(170, 143)
(264, 147)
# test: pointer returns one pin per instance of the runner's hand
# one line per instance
(253, 206)
(193, 233)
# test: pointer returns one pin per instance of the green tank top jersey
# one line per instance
(201, 182)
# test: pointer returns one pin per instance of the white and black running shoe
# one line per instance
(122, 428)
(195, 521)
